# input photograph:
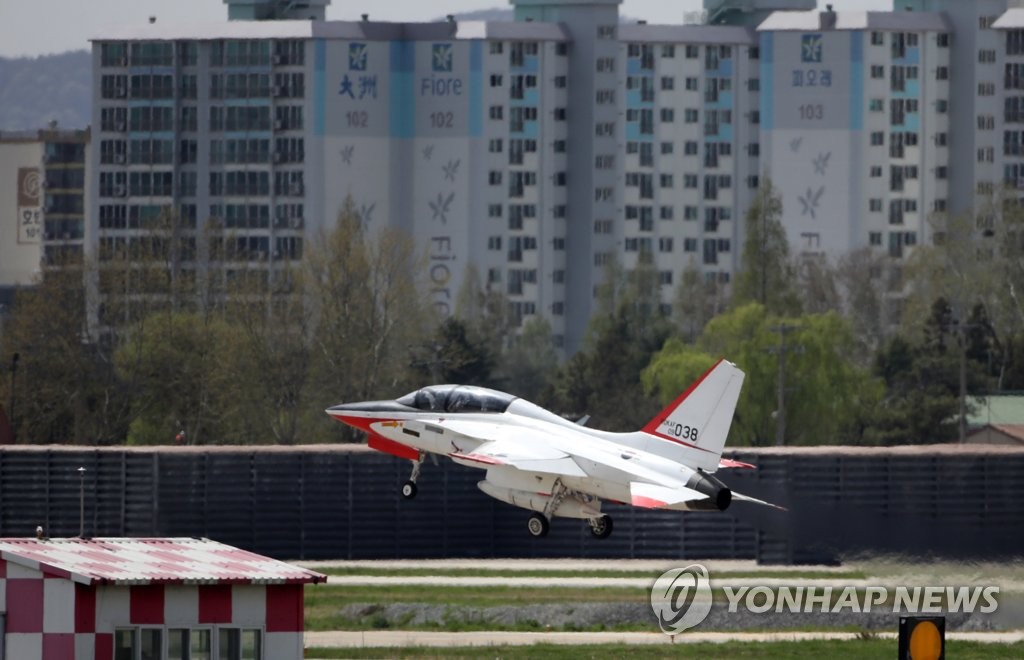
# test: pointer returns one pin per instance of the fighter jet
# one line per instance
(540, 461)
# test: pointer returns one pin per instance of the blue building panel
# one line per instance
(151, 103)
(531, 97)
(857, 80)
(153, 135)
(530, 65)
(402, 100)
(476, 89)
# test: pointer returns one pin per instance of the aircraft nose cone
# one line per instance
(368, 407)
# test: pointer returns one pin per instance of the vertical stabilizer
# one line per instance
(693, 428)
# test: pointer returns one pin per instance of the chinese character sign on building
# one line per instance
(30, 214)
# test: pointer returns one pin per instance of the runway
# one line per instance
(407, 638)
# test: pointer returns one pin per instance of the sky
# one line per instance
(39, 27)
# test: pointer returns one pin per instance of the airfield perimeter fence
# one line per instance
(343, 502)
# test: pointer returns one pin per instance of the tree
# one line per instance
(174, 365)
(817, 284)
(863, 290)
(971, 267)
(697, 301)
(527, 366)
(766, 274)
(65, 393)
(922, 381)
(369, 310)
(628, 327)
(827, 395)
(267, 363)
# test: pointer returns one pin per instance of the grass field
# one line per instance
(866, 649)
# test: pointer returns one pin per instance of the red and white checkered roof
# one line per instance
(151, 561)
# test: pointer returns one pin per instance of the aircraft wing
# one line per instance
(653, 496)
(522, 454)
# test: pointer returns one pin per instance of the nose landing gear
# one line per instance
(409, 487)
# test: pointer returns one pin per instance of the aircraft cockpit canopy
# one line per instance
(457, 398)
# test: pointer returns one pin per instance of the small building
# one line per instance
(997, 434)
(147, 599)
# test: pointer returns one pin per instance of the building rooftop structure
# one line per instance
(139, 561)
(370, 30)
(802, 21)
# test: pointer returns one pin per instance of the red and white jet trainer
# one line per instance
(540, 461)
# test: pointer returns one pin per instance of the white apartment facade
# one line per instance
(256, 133)
(855, 127)
(691, 155)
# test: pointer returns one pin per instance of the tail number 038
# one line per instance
(681, 431)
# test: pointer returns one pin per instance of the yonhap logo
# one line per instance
(681, 598)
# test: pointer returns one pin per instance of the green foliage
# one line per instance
(174, 359)
(766, 273)
(601, 380)
(826, 394)
(528, 366)
(922, 381)
(65, 386)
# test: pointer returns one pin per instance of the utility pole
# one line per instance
(781, 350)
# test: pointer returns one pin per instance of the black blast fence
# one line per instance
(344, 502)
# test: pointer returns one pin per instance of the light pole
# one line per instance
(81, 502)
(14, 372)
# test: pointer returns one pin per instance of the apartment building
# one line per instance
(855, 126)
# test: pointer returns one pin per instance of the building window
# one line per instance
(495, 80)
(239, 644)
(878, 71)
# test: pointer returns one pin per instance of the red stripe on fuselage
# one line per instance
(380, 443)
(377, 441)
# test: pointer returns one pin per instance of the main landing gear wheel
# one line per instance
(601, 527)
(538, 525)
(409, 490)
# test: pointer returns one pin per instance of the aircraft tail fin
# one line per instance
(694, 427)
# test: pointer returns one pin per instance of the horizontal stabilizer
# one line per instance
(739, 497)
(730, 463)
(652, 496)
